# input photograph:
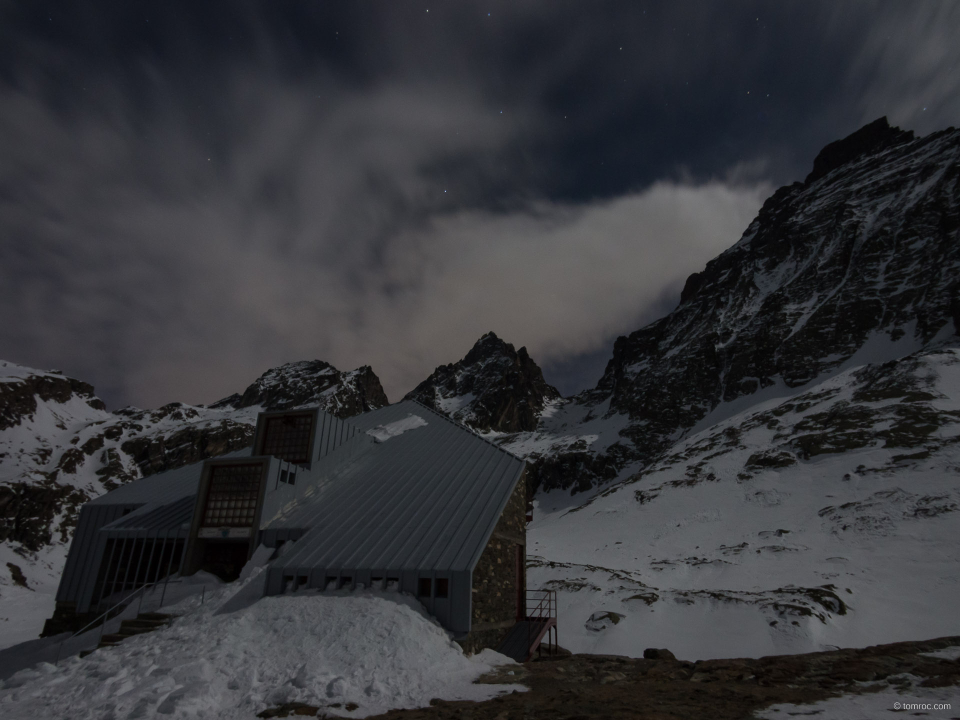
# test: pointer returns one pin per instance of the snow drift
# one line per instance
(363, 650)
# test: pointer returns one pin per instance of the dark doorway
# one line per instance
(225, 558)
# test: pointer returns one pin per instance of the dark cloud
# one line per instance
(192, 193)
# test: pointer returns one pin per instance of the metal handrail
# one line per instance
(543, 610)
(125, 601)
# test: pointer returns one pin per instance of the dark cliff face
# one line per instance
(494, 387)
(312, 382)
(19, 399)
(866, 252)
(870, 139)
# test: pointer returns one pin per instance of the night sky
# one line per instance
(192, 193)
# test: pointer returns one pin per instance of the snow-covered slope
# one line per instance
(350, 654)
(828, 518)
(60, 447)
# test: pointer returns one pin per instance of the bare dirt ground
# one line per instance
(594, 687)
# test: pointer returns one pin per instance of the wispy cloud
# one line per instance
(173, 269)
(906, 63)
(188, 204)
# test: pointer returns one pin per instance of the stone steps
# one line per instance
(143, 623)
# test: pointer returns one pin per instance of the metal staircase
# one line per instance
(539, 622)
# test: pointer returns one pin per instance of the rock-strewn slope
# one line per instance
(850, 683)
(824, 518)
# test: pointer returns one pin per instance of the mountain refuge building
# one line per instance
(399, 498)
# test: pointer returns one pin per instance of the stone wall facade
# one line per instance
(495, 591)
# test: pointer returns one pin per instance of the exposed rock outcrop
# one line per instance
(494, 387)
(312, 382)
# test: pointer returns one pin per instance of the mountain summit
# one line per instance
(312, 382)
(859, 264)
(493, 388)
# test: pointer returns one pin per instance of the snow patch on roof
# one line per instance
(382, 433)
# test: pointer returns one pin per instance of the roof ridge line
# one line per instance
(462, 427)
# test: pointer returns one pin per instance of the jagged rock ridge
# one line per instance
(312, 382)
(864, 252)
(493, 388)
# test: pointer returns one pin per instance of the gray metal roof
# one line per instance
(425, 499)
(155, 519)
(161, 488)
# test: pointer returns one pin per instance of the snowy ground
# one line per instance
(905, 698)
(23, 610)
(376, 650)
(824, 520)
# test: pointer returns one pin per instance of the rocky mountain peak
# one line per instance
(869, 139)
(22, 387)
(494, 387)
(865, 264)
(312, 382)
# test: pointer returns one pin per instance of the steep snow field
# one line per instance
(821, 520)
(377, 651)
(23, 610)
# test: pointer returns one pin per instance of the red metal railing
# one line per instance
(541, 617)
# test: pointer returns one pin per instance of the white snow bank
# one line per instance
(382, 433)
(949, 653)
(378, 650)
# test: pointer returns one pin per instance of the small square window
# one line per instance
(302, 581)
(330, 583)
(393, 584)
(425, 587)
(443, 588)
(346, 582)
